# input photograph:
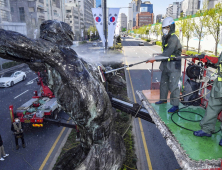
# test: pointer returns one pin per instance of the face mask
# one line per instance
(165, 32)
(17, 121)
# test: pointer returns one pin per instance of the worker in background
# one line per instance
(171, 69)
(17, 129)
(214, 106)
(2, 151)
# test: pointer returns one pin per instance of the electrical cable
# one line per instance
(184, 95)
(177, 112)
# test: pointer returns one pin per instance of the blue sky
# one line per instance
(159, 6)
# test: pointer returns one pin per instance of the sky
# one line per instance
(159, 6)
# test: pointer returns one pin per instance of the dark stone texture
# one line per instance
(78, 88)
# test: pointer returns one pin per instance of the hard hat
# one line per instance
(167, 21)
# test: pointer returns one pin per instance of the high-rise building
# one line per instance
(138, 3)
(173, 10)
(190, 7)
(132, 11)
(74, 17)
(5, 11)
(212, 3)
(122, 21)
(158, 18)
(146, 7)
(85, 6)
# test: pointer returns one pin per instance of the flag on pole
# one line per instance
(98, 17)
(112, 20)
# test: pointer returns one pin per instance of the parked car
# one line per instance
(141, 43)
(94, 44)
(10, 78)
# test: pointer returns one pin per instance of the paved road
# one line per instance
(38, 140)
(158, 155)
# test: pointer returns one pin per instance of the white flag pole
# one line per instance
(112, 21)
(98, 18)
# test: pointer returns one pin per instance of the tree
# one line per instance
(198, 23)
(213, 23)
(187, 29)
(156, 30)
(148, 30)
(123, 29)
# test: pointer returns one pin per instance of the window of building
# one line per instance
(4, 15)
(68, 11)
(32, 10)
(3, 3)
(22, 14)
(70, 21)
(12, 10)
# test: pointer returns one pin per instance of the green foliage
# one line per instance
(118, 46)
(123, 29)
(159, 43)
(83, 42)
(192, 53)
(90, 40)
(93, 29)
(118, 39)
(10, 64)
(213, 23)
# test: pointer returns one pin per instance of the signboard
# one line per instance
(143, 9)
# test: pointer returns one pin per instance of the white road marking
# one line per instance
(149, 70)
(21, 94)
(157, 81)
(31, 81)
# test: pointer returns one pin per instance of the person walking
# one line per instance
(17, 129)
(171, 70)
(2, 151)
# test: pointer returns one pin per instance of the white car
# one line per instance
(94, 44)
(141, 43)
(10, 78)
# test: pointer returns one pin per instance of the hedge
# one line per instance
(159, 43)
(10, 64)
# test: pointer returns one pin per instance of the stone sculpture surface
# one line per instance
(78, 88)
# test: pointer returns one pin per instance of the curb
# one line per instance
(53, 162)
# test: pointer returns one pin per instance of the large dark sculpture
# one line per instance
(78, 88)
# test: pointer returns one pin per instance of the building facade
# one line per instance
(146, 7)
(33, 13)
(159, 18)
(74, 17)
(138, 3)
(5, 11)
(122, 21)
(190, 7)
(144, 18)
(85, 6)
(173, 10)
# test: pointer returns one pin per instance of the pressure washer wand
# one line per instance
(149, 60)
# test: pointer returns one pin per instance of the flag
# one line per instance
(112, 21)
(98, 18)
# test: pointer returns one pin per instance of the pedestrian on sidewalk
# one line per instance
(171, 69)
(2, 151)
(17, 129)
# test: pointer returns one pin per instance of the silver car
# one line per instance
(141, 43)
(10, 78)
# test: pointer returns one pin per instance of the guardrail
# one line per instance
(12, 68)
